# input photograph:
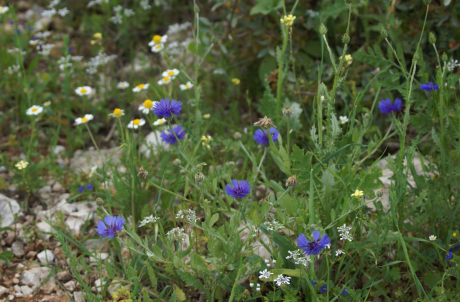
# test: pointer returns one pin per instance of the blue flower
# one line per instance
(165, 109)
(314, 281)
(344, 291)
(89, 187)
(238, 189)
(449, 255)
(315, 246)
(81, 189)
(429, 86)
(323, 289)
(109, 225)
(456, 246)
(387, 107)
(168, 136)
(261, 137)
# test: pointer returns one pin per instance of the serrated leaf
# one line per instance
(190, 280)
(370, 58)
(179, 293)
(146, 296)
(152, 277)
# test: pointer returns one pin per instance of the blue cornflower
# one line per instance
(11, 22)
(109, 225)
(387, 107)
(30, 28)
(238, 189)
(456, 247)
(62, 166)
(18, 31)
(314, 281)
(168, 136)
(81, 189)
(449, 255)
(89, 187)
(323, 289)
(315, 246)
(429, 86)
(261, 137)
(167, 110)
(344, 291)
(70, 48)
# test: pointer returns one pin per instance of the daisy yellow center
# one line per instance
(187, 86)
(140, 86)
(148, 104)
(171, 73)
(166, 79)
(162, 121)
(136, 122)
(342, 120)
(2, 9)
(117, 112)
(34, 109)
(158, 47)
(83, 90)
(84, 119)
(454, 234)
(156, 39)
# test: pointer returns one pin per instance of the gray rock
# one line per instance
(45, 228)
(101, 256)
(98, 285)
(35, 276)
(17, 289)
(78, 296)
(8, 207)
(75, 224)
(57, 187)
(70, 286)
(46, 256)
(18, 248)
(3, 290)
(58, 149)
(64, 276)
(153, 143)
(26, 290)
(84, 160)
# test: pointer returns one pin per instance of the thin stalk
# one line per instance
(280, 75)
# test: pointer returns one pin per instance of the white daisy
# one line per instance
(34, 42)
(159, 122)
(157, 39)
(117, 112)
(186, 86)
(157, 48)
(147, 106)
(85, 119)
(170, 73)
(3, 9)
(136, 123)
(432, 238)
(85, 90)
(34, 110)
(122, 85)
(343, 119)
(140, 87)
(164, 80)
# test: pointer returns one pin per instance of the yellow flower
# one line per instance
(358, 194)
(117, 112)
(288, 20)
(97, 36)
(47, 104)
(85, 119)
(159, 122)
(348, 59)
(454, 234)
(206, 140)
(21, 165)
(236, 81)
(147, 106)
(206, 116)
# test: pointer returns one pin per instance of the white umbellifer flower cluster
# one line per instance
(16, 50)
(176, 48)
(13, 69)
(48, 13)
(63, 11)
(344, 232)
(273, 225)
(45, 49)
(257, 286)
(91, 3)
(148, 220)
(452, 64)
(219, 71)
(280, 280)
(119, 11)
(311, 13)
(176, 233)
(298, 257)
(145, 4)
(339, 252)
(43, 35)
(265, 274)
(99, 60)
(51, 11)
(190, 215)
(254, 230)
(172, 29)
(64, 62)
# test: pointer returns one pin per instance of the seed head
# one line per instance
(177, 162)
(348, 1)
(432, 38)
(384, 33)
(427, 2)
(323, 29)
(291, 181)
(99, 202)
(346, 38)
(265, 123)
(379, 192)
(287, 111)
(444, 57)
(143, 173)
(182, 172)
(237, 136)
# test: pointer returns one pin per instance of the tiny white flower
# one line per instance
(323, 98)
(267, 261)
(140, 87)
(136, 123)
(164, 80)
(34, 110)
(85, 90)
(34, 42)
(432, 238)
(3, 9)
(274, 261)
(251, 284)
(117, 19)
(129, 12)
(157, 48)
(118, 8)
(85, 119)
(343, 119)
(170, 73)
(265, 274)
(186, 86)
(147, 106)
(145, 4)
(339, 252)
(63, 11)
(159, 122)
(49, 12)
(122, 85)
(280, 280)
(219, 71)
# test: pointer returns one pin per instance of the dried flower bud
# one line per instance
(444, 57)
(269, 217)
(99, 202)
(346, 38)
(182, 172)
(427, 2)
(237, 136)
(177, 162)
(291, 181)
(432, 38)
(379, 192)
(265, 123)
(287, 111)
(199, 177)
(322, 29)
(384, 33)
(143, 173)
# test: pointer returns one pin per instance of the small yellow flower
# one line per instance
(236, 81)
(348, 59)
(21, 165)
(206, 116)
(47, 104)
(358, 194)
(97, 36)
(206, 140)
(117, 112)
(454, 234)
(432, 238)
(288, 20)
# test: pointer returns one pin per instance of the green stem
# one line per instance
(280, 74)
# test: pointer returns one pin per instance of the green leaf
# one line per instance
(213, 220)
(371, 58)
(266, 6)
(190, 280)
(152, 277)
(146, 296)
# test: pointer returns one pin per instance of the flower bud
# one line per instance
(97, 36)
(379, 192)
(415, 58)
(346, 38)
(182, 172)
(427, 2)
(432, 38)
(323, 29)
(177, 162)
(199, 177)
(99, 202)
(237, 136)
(444, 57)
(384, 33)
(287, 111)
(291, 181)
